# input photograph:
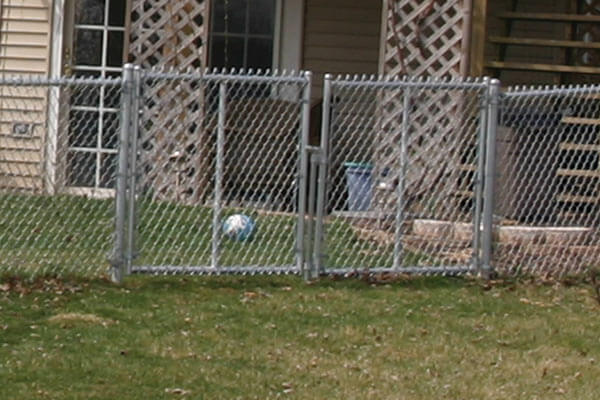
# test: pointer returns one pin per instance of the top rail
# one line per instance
(552, 91)
(412, 82)
(64, 81)
(229, 77)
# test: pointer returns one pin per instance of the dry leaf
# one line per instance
(178, 391)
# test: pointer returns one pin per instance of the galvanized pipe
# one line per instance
(398, 248)
(132, 213)
(64, 81)
(229, 78)
(323, 170)
(216, 225)
(413, 84)
(118, 258)
(490, 176)
(553, 91)
(312, 195)
(478, 184)
(302, 176)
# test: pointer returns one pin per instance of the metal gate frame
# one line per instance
(126, 217)
(483, 183)
(312, 186)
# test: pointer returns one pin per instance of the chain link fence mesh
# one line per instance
(546, 205)
(403, 161)
(212, 146)
(58, 145)
(402, 184)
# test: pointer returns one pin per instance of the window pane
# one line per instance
(262, 15)
(110, 130)
(83, 130)
(227, 52)
(112, 93)
(89, 12)
(85, 95)
(218, 13)
(88, 47)
(260, 53)
(81, 169)
(108, 168)
(114, 56)
(235, 16)
(217, 51)
(116, 13)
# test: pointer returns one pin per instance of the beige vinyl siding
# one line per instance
(341, 36)
(24, 50)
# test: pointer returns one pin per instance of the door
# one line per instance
(95, 46)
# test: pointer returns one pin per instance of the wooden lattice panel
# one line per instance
(424, 37)
(441, 130)
(168, 34)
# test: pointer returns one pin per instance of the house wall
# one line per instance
(25, 28)
(290, 43)
(341, 36)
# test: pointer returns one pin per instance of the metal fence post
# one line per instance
(478, 184)
(490, 175)
(398, 250)
(119, 258)
(132, 211)
(322, 177)
(303, 178)
(312, 196)
(216, 228)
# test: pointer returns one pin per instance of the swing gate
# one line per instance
(389, 180)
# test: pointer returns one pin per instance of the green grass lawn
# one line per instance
(74, 234)
(277, 337)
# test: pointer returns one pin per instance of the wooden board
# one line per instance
(544, 42)
(555, 17)
(578, 147)
(576, 199)
(542, 67)
(586, 173)
(580, 121)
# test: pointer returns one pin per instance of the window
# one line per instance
(98, 32)
(243, 34)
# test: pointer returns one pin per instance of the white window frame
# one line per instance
(290, 39)
(277, 33)
(56, 152)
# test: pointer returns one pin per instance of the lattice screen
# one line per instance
(424, 38)
(166, 33)
(172, 34)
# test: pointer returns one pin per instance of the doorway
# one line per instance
(94, 46)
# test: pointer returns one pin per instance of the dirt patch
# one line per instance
(72, 318)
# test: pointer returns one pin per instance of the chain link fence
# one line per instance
(548, 171)
(403, 175)
(58, 145)
(416, 176)
(211, 146)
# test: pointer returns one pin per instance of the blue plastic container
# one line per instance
(359, 180)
